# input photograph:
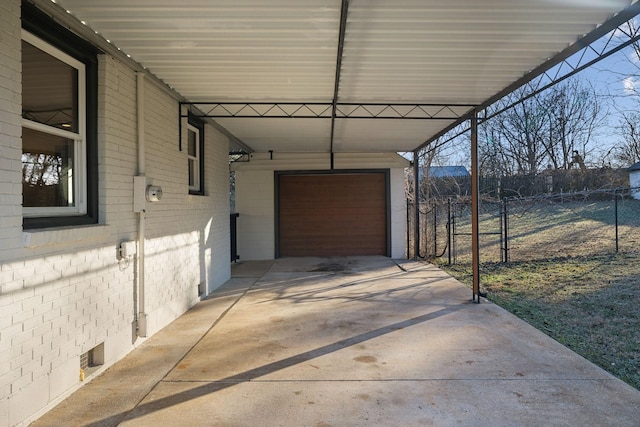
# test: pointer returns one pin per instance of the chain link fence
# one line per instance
(529, 228)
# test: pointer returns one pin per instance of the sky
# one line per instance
(616, 79)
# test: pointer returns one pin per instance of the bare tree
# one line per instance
(516, 136)
(441, 152)
(576, 112)
(493, 161)
(627, 151)
(542, 131)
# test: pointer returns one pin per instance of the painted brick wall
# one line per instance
(10, 113)
(256, 223)
(10, 198)
(62, 292)
(398, 214)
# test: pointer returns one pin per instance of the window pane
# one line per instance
(192, 173)
(192, 143)
(47, 170)
(49, 89)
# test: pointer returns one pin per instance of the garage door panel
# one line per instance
(333, 215)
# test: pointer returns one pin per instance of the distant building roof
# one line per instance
(635, 167)
(445, 171)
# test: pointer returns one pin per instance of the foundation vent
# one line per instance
(91, 361)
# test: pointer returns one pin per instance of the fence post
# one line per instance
(408, 229)
(505, 204)
(453, 234)
(501, 231)
(435, 229)
(449, 228)
(615, 198)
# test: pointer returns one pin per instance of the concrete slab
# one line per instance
(251, 268)
(444, 403)
(350, 341)
(107, 399)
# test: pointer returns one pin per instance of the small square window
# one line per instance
(195, 159)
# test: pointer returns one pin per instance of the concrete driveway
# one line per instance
(362, 341)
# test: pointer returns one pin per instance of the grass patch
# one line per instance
(544, 229)
(591, 304)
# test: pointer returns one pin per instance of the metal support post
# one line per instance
(475, 202)
(416, 207)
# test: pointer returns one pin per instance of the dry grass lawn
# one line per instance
(566, 279)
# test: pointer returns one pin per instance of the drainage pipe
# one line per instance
(142, 315)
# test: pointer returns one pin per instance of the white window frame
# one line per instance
(80, 139)
(197, 187)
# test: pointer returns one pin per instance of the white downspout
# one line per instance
(142, 314)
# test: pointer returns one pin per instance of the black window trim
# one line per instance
(199, 124)
(41, 25)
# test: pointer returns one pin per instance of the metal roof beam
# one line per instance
(546, 80)
(336, 88)
(618, 22)
(338, 110)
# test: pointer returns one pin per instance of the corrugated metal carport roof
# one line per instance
(441, 52)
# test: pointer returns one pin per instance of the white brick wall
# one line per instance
(62, 292)
(256, 223)
(398, 214)
(10, 132)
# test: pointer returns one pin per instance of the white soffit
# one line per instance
(395, 51)
(225, 49)
(462, 51)
(285, 135)
(378, 135)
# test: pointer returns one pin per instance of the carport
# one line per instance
(351, 77)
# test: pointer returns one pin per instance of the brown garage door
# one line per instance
(332, 215)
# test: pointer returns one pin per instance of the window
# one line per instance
(53, 130)
(195, 158)
(59, 162)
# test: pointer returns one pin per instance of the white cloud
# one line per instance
(630, 85)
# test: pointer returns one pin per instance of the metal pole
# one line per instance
(453, 235)
(344, 11)
(449, 228)
(475, 202)
(501, 231)
(408, 228)
(416, 207)
(506, 230)
(435, 229)
(615, 197)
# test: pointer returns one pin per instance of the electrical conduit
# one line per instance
(142, 315)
